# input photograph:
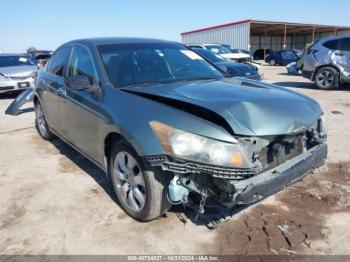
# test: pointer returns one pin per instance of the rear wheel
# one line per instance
(327, 78)
(41, 124)
(141, 193)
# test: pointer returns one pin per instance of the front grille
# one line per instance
(19, 77)
(3, 88)
(179, 167)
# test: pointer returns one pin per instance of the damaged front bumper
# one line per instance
(230, 187)
(265, 184)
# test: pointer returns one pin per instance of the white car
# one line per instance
(224, 52)
(16, 72)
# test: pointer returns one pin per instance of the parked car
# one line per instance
(283, 57)
(259, 54)
(224, 52)
(16, 72)
(232, 68)
(37, 55)
(167, 127)
(236, 50)
(327, 62)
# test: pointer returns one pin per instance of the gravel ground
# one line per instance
(54, 201)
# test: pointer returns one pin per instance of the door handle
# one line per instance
(61, 91)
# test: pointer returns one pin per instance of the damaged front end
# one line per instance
(243, 172)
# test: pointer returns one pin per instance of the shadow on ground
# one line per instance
(210, 219)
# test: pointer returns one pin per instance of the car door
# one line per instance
(288, 57)
(52, 91)
(342, 56)
(81, 108)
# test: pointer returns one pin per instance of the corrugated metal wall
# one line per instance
(236, 36)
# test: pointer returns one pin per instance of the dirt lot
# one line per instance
(54, 201)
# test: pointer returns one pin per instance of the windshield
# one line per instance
(209, 55)
(218, 49)
(6, 61)
(154, 63)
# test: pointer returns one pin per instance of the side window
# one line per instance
(332, 44)
(58, 61)
(81, 64)
(345, 44)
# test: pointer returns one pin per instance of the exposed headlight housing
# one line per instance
(322, 128)
(201, 149)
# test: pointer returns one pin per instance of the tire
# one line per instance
(41, 124)
(130, 179)
(272, 62)
(326, 78)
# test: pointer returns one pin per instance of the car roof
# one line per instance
(12, 54)
(116, 40)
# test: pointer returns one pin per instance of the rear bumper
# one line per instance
(258, 187)
(307, 74)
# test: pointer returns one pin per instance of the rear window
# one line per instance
(332, 44)
(345, 44)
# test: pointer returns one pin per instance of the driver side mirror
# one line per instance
(81, 83)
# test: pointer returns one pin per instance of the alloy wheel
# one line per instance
(40, 120)
(325, 78)
(129, 181)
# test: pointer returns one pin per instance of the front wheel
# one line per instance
(327, 78)
(273, 62)
(141, 193)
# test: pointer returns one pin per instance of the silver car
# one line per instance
(16, 72)
(327, 62)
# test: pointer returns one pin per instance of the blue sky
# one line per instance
(47, 24)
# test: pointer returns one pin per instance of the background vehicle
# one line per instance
(224, 52)
(167, 127)
(36, 55)
(283, 57)
(232, 68)
(236, 50)
(16, 72)
(259, 54)
(241, 51)
(327, 62)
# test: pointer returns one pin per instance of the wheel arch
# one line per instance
(323, 66)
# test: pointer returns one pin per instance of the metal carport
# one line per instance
(256, 34)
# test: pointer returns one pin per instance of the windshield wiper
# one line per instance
(142, 85)
(198, 79)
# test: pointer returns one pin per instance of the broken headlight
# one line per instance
(197, 148)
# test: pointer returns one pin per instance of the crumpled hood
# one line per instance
(17, 71)
(250, 111)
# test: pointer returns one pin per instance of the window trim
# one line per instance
(65, 64)
(73, 46)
